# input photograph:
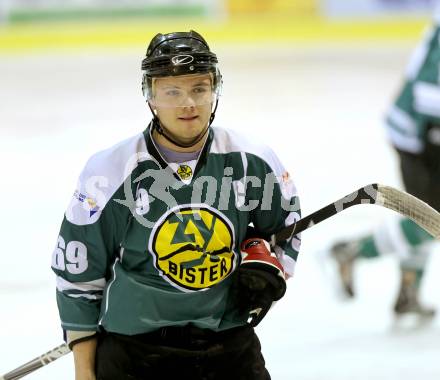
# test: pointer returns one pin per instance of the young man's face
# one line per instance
(183, 104)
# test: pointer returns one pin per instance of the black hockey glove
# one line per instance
(261, 280)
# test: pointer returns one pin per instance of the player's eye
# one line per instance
(200, 89)
(172, 92)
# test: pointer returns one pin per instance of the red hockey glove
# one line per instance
(261, 279)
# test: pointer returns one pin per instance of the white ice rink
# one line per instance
(319, 107)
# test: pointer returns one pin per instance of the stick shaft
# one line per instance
(405, 204)
(36, 363)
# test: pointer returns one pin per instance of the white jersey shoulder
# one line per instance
(102, 175)
(228, 141)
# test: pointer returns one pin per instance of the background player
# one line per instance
(413, 126)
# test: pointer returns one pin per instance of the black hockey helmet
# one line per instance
(178, 53)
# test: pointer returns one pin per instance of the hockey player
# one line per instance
(413, 125)
(159, 275)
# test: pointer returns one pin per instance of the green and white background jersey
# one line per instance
(419, 100)
(144, 244)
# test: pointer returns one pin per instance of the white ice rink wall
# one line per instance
(377, 8)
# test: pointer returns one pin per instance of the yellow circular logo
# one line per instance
(184, 172)
(192, 248)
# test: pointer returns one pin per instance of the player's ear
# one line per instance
(152, 108)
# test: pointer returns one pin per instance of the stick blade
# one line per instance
(413, 208)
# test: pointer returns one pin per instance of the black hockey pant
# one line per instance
(420, 180)
(181, 353)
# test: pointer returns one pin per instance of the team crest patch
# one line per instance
(90, 203)
(185, 172)
(193, 248)
(285, 177)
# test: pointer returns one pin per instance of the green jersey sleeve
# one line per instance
(279, 203)
(417, 103)
(89, 239)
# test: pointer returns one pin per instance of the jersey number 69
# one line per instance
(72, 256)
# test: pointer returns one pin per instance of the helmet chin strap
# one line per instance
(168, 135)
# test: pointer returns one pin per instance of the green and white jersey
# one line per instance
(418, 103)
(146, 244)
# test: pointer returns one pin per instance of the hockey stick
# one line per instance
(400, 201)
(420, 212)
(37, 363)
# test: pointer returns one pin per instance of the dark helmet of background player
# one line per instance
(179, 53)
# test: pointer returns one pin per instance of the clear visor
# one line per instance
(182, 91)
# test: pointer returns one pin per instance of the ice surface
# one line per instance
(319, 107)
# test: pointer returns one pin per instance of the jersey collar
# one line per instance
(154, 152)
